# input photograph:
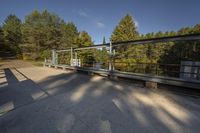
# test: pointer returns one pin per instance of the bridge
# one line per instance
(86, 100)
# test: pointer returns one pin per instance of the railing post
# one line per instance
(110, 55)
(71, 61)
(45, 62)
(113, 60)
(76, 59)
(54, 57)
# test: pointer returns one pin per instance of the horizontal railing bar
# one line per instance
(87, 47)
(156, 64)
(66, 50)
(149, 64)
(93, 47)
(189, 37)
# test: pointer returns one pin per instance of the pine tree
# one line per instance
(84, 39)
(1, 39)
(86, 56)
(41, 31)
(196, 28)
(125, 31)
(12, 33)
(104, 40)
(69, 35)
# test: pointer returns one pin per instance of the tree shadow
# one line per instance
(81, 103)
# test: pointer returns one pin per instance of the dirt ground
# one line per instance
(46, 100)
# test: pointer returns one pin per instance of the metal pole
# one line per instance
(56, 58)
(45, 61)
(110, 52)
(113, 61)
(76, 58)
(53, 56)
(71, 62)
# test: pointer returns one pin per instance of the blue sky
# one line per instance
(99, 17)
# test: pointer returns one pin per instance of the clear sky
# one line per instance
(99, 17)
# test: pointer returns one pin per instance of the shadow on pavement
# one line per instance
(17, 93)
(78, 103)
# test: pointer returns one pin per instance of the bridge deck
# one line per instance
(39, 99)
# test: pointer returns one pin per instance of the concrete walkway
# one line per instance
(44, 100)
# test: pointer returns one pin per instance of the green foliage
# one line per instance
(12, 33)
(41, 31)
(46, 54)
(168, 52)
(84, 39)
(165, 53)
(64, 58)
(1, 39)
(196, 29)
(101, 55)
(86, 56)
(69, 35)
(125, 30)
(104, 40)
(182, 50)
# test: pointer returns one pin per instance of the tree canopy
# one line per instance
(70, 35)
(84, 39)
(104, 40)
(42, 31)
(125, 30)
(12, 33)
(1, 38)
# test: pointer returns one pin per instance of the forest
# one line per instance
(40, 32)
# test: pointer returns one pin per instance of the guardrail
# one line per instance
(195, 84)
(156, 73)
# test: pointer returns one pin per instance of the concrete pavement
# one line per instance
(44, 100)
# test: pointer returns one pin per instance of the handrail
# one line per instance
(112, 63)
(195, 84)
(187, 37)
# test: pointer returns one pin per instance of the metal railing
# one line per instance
(170, 70)
(148, 70)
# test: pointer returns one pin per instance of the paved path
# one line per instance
(44, 100)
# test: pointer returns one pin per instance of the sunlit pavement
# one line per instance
(45, 100)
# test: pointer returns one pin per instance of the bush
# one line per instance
(45, 54)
